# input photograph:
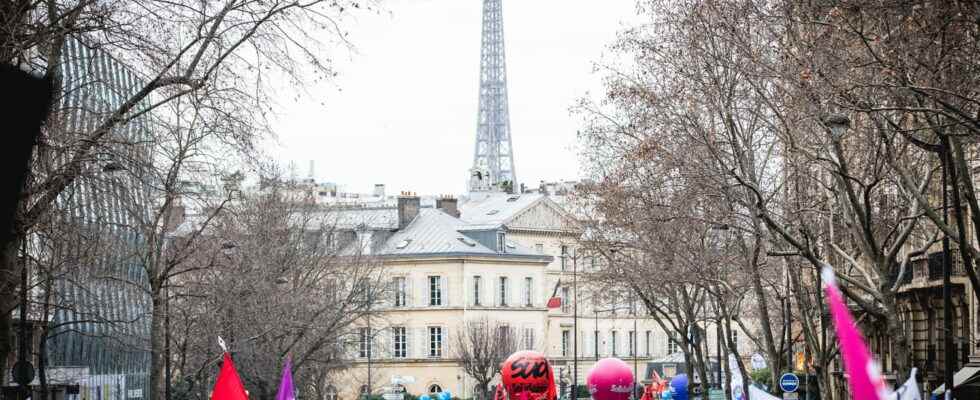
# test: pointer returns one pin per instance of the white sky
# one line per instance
(402, 110)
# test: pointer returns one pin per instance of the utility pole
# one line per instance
(575, 325)
(949, 354)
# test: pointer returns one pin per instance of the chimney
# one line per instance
(408, 208)
(379, 190)
(448, 204)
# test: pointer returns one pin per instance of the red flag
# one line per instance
(554, 302)
(229, 385)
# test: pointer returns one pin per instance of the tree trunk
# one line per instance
(9, 266)
(157, 386)
(901, 356)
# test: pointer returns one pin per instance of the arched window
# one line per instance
(435, 388)
(330, 393)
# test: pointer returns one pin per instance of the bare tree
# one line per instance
(277, 284)
(482, 346)
(161, 51)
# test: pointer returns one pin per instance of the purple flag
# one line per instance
(286, 383)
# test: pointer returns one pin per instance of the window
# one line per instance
(672, 345)
(364, 343)
(612, 342)
(564, 256)
(539, 248)
(435, 342)
(401, 342)
(501, 242)
(400, 291)
(528, 339)
(476, 290)
(503, 291)
(647, 343)
(595, 339)
(435, 291)
(435, 389)
(632, 343)
(528, 284)
(565, 299)
(566, 338)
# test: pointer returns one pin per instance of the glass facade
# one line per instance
(101, 310)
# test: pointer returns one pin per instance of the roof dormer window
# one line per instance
(501, 242)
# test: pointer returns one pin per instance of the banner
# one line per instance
(737, 382)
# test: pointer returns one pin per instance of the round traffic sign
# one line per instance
(789, 382)
(23, 372)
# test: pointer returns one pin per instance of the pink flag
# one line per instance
(863, 374)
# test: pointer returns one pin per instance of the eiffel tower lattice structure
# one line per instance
(493, 156)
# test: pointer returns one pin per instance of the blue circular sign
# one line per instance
(789, 382)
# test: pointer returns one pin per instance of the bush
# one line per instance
(762, 377)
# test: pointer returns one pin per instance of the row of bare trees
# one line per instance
(150, 96)
(746, 144)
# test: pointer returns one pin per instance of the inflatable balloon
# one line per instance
(610, 379)
(445, 395)
(527, 375)
(678, 387)
(665, 395)
(425, 397)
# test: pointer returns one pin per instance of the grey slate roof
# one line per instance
(497, 208)
(433, 232)
(354, 218)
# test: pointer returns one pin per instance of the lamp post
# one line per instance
(949, 354)
(575, 325)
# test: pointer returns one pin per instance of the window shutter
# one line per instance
(496, 291)
(408, 342)
(445, 342)
(423, 341)
(444, 282)
(409, 293)
(468, 288)
(426, 291)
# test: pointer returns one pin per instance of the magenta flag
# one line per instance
(864, 377)
(286, 391)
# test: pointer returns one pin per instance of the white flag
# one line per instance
(737, 382)
(908, 391)
(759, 394)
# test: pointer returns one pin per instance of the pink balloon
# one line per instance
(610, 379)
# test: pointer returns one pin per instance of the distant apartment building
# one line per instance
(498, 257)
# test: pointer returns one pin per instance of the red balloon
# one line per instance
(527, 375)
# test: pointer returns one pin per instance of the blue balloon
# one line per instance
(425, 397)
(445, 396)
(678, 387)
(665, 395)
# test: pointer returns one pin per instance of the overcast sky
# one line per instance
(402, 110)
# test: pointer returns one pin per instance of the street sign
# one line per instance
(716, 394)
(22, 372)
(789, 382)
(758, 362)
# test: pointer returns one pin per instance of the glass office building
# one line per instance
(100, 317)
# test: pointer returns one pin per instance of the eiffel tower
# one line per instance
(493, 156)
